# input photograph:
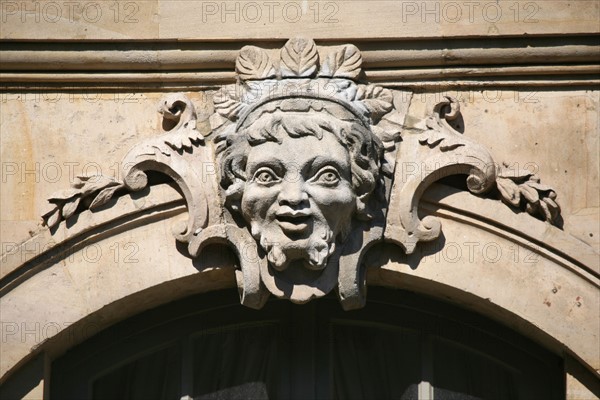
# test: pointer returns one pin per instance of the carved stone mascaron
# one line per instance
(297, 171)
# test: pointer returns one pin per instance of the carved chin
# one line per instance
(313, 251)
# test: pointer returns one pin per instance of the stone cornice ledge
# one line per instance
(504, 62)
(413, 79)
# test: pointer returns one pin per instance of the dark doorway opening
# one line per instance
(400, 346)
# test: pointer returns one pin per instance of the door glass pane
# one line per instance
(463, 374)
(495, 372)
(286, 351)
(240, 362)
(374, 363)
(154, 376)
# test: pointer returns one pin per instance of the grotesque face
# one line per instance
(300, 177)
(298, 198)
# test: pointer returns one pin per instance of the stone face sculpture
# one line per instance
(297, 171)
(299, 160)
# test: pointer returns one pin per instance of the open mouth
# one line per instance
(293, 223)
(293, 219)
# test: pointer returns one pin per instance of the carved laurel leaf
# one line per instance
(344, 63)
(529, 193)
(48, 209)
(63, 195)
(547, 214)
(80, 181)
(96, 183)
(299, 58)
(66, 202)
(538, 200)
(516, 175)
(54, 218)
(254, 63)
(509, 191)
(552, 208)
(539, 187)
(70, 207)
(104, 196)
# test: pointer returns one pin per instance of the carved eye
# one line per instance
(265, 176)
(327, 176)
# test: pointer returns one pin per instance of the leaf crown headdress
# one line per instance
(301, 77)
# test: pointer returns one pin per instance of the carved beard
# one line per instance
(314, 251)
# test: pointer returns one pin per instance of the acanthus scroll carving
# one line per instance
(440, 152)
(306, 172)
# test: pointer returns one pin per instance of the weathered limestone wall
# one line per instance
(210, 20)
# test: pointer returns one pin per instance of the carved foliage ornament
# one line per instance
(306, 157)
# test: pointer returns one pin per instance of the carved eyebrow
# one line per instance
(319, 162)
(270, 162)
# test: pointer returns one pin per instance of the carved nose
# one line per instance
(292, 194)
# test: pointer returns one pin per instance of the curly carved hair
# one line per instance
(365, 149)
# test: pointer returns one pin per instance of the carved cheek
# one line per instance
(334, 203)
(258, 200)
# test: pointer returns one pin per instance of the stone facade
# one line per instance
(478, 183)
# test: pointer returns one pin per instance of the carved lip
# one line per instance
(293, 221)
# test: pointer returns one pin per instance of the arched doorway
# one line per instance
(400, 346)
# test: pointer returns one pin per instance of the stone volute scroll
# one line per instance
(304, 169)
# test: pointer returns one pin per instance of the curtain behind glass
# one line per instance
(462, 374)
(155, 376)
(242, 362)
(375, 363)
